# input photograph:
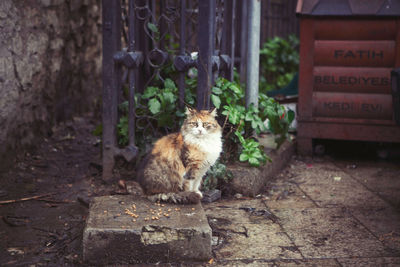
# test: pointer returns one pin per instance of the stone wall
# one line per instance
(50, 67)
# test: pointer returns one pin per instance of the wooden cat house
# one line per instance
(349, 71)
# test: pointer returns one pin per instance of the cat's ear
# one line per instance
(213, 112)
(189, 111)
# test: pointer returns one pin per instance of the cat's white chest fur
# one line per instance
(210, 144)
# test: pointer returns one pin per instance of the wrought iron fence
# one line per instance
(156, 34)
(143, 38)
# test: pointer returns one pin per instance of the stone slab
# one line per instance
(382, 222)
(261, 241)
(330, 233)
(329, 186)
(280, 263)
(126, 230)
(287, 195)
(382, 178)
(244, 235)
(250, 181)
(370, 262)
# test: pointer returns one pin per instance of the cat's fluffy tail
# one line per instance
(178, 198)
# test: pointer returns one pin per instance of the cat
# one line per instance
(173, 170)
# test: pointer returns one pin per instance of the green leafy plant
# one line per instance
(279, 119)
(279, 61)
(216, 176)
(251, 151)
(239, 123)
(157, 114)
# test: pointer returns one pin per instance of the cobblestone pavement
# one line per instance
(316, 213)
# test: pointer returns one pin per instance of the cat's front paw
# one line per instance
(199, 193)
(186, 186)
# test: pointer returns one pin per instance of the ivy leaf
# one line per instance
(249, 117)
(233, 117)
(240, 136)
(254, 124)
(216, 90)
(290, 115)
(169, 97)
(152, 27)
(169, 84)
(216, 101)
(150, 92)
(235, 89)
(257, 154)
(154, 106)
(219, 82)
(243, 157)
(254, 162)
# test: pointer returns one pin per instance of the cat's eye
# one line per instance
(208, 124)
(194, 124)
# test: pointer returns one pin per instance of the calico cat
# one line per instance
(174, 169)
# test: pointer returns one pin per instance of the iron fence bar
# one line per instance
(228, 38)
(111, 82)
(142, 44)
(131, 48)
(243, 42)
(182, 44)
(206, 33)
(233, 43)
(163, 5)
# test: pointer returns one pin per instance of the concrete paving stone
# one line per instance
(124, 229)
(263, 241)
(382, 178)
(325, 175)
(290, 262)
(287, 195)
(329, 233)
(349, 194)
(307, 263)
(330, 186)
(372, 262)
(311, 172)
(382, 222)
(244, 211)
(228, 215)
(257, 203)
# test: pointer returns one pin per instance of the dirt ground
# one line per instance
(64, 172)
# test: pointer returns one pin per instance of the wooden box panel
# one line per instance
(341, 105)
(352, 79)
(355, 53)
(360, 29)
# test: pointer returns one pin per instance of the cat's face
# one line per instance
(200, 123)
